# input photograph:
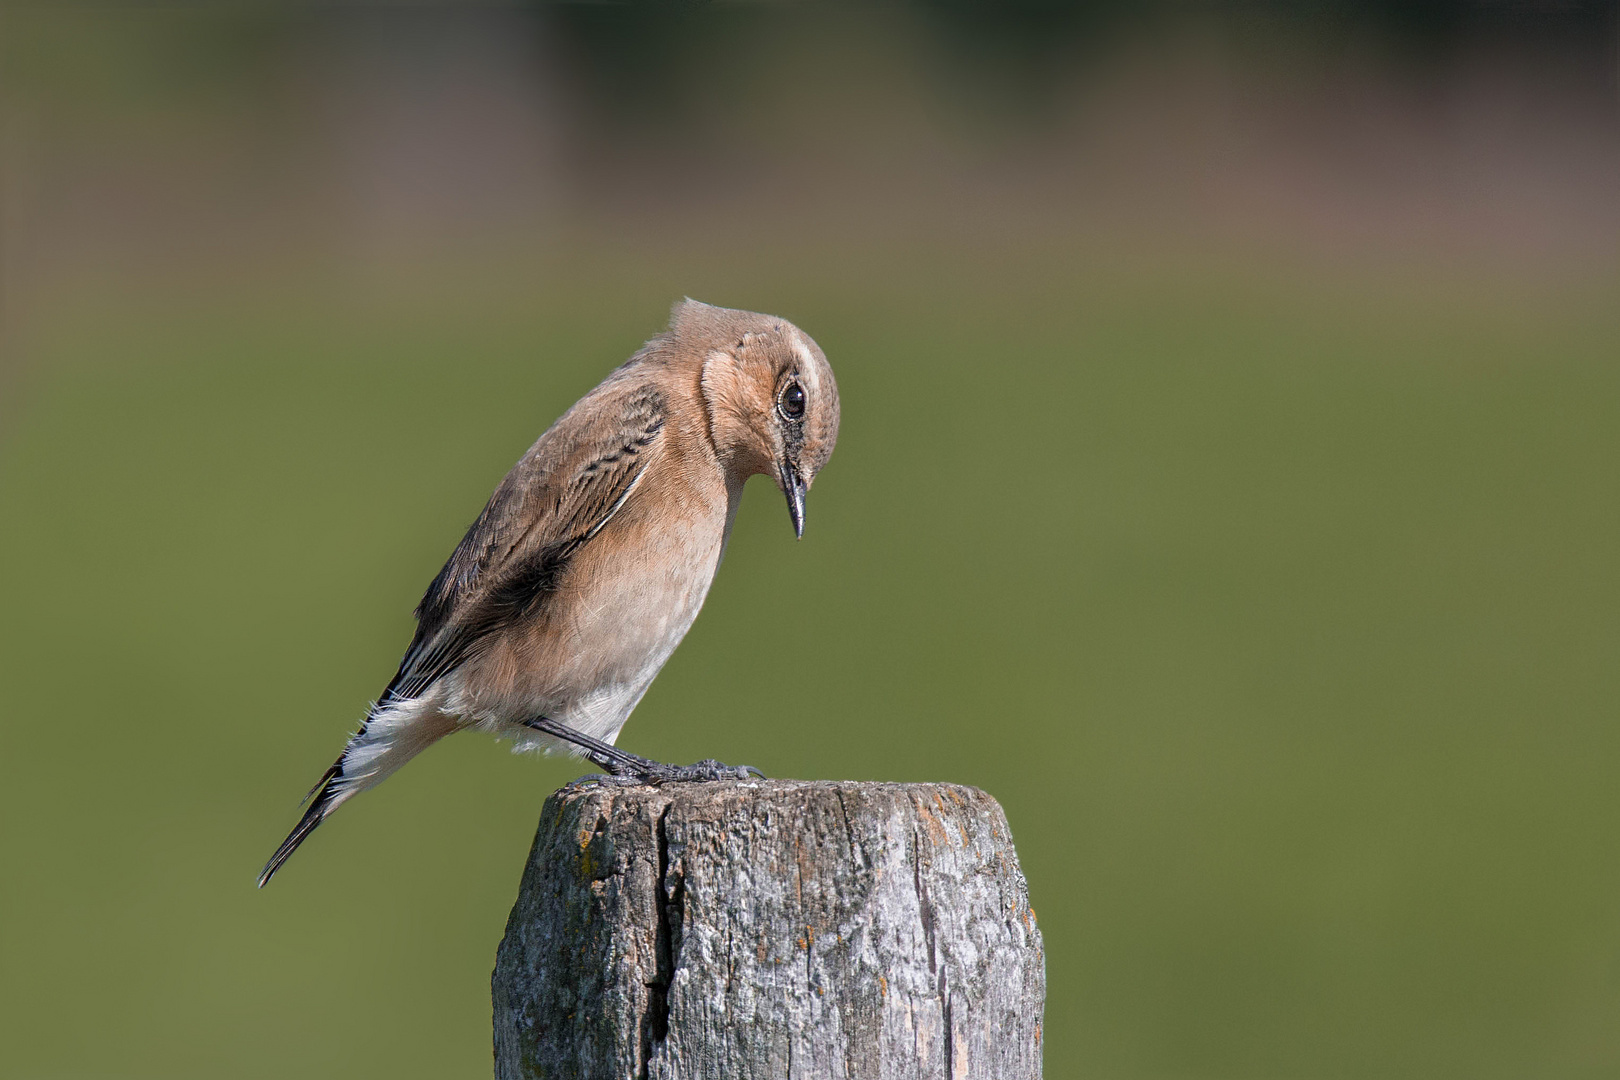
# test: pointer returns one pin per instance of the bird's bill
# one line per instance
(793, 487)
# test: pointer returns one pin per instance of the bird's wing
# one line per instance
(563, 491)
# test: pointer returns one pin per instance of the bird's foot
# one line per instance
(639, 770)
(624, 769)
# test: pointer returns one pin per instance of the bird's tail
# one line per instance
(321, 802)
(391, 736)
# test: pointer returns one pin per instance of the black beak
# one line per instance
(793, 488)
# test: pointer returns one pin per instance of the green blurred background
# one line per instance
(1228, 484)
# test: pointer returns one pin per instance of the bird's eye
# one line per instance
(792, 403)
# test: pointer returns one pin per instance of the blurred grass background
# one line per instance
(1227, 484)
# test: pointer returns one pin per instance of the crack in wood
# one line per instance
(924, 908)
(668, 901)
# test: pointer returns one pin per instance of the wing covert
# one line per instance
(562, 492)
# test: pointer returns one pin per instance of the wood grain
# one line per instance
(772, 929)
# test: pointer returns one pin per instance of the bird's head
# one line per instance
(771, 399)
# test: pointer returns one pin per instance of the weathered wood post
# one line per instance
(778, 929)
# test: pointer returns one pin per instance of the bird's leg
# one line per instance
(624, 767)
(603, 755)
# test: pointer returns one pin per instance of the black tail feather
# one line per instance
(320, 800)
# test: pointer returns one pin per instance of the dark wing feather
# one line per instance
(562, 492)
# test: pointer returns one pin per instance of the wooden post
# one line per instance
(772, 929)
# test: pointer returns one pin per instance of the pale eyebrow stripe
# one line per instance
(807, 369)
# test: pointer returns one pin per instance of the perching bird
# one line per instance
(590, 561)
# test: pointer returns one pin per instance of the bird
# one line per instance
(590, 561)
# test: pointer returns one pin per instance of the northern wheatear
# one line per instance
(590, 561)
